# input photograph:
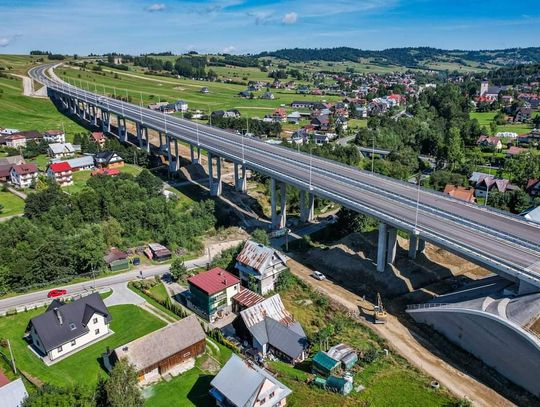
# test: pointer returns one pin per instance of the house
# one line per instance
(245, 299)
(30, 135)
(12, 393)
(489, 141)
(513, 151)
(321, 139)
(271, 329)
(15, 141)
(61, 173)
(302, 105)
(116, 259)
(172, 348)
(279, 113)
(361, 111)
(262, 263)
(5, 172)
(64, 328)
(61, 150)
(108, 159)
(321, 122)
(324, 365)
(268, 96)
(488, 183)
(241, 383)
(7, 132)
(245, 94)
(345, 354)
(300, 137)
(463, 193)
(507, 134)
(342, 121)
(157, 252)
(23, 175)
(98, 138)
(523, 114)
(5, 166)
(181, 106)
(302, 89)
(533, 187)
(211, 292)
(231, 113)
(83, 163)
(54, 136)
(294, 117)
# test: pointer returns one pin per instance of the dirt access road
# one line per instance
(407, 345)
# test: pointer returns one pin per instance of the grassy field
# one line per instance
(388, 381)
(81, 177)
(27, 113)
(84, 366)
(154, 88)
(190, 388)
(13, 205)
(485, 118)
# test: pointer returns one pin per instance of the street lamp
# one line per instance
(310, 165)
(415, 230)
(197, 128)
(140, 109)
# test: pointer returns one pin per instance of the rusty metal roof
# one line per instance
(271, 307)
(259, 257)
(247, 298)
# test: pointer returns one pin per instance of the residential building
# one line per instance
(245, 94)
(169, 349)
(271, 329)
(533, 188)
(241, 383)
(23, 175)
(261, 263)
(268, 95)
(211, 293)
(245, 299)
(61, 173)
(464, 193)
(302, 104)
(294, 117)
(62, 150)
(86, 162)
(64, 328)
(231, 113)
(15, 141)
(30, 135)
(108, 159)
(514, 150)
(5, 166)
(99, 138)
(523, 114)
(507, 134)
(342, 121)
(54, 136)
(181, 106)
(489, 141)
(12, 393)
(116, 259)
(321, 139)
(489, 183)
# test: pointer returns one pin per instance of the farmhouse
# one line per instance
(241, 383)
(262, 263)
(66, 327)
(169, 349)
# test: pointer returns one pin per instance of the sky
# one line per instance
(251, 26)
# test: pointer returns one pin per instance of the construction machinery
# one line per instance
(379, 314)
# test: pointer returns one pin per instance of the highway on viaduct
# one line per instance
(502, 242)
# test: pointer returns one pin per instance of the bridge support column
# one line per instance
(526, 288)
(240, 182)
(413, 246)
(278, 220)
(391, 245)
(306, 206)
(195, 158)
(177, 155)
(169, 153)
(105, 121)
(139, 131)
(122, 129)
(93, 115)
(381, 247)
(161, 142)
(421, 245)
(215, 187)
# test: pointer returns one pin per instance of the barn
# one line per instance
(171, 349)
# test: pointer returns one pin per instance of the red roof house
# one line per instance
(213, 281)
(62, 166)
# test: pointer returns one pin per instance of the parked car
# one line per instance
(136, 261)
(319, 276)
(56, 293)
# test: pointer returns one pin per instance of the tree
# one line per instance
(260, 236)
(121, 388)
(454, 148)
(1, 208)
(49, 395)
(150, 182)
(178, 269)
(350, 221)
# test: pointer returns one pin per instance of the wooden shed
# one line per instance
(161, 351)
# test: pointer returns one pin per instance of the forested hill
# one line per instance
(515, 75)
(409, 57)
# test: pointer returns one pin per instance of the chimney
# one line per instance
(58, 316)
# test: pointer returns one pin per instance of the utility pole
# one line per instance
(12, 357)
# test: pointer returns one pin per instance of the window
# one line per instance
(72, 326)
(94, 320)
(271, 395)
(73, 342)
(59, 349)
(96, 332)
(262, 401)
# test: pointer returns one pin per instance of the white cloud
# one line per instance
(4, 41)
(228, 50)
(156, 7)
(290, 18)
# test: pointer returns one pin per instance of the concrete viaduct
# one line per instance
(501, 242)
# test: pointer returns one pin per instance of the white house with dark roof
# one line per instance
(241, 383)
(23, 175)
(263, 263)
(67, 327)
(61, 150)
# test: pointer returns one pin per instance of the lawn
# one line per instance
(13, 205)
(190, 388)
(81, 177)
(84, 366)
(27, 113)
(485, 118)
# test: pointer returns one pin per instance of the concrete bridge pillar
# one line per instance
(307, 206)
(278, 220)
(391, 245)
(240, 181)
(195, 154)
(177, 155)
(145, 135)
(421, 245)
(122, 129)
(215, 185)
(413, 246)
(161, 142)
(139, 131)
(283, 217)
(381, 247)
(169, 153)
(526, 288)
(105, 121)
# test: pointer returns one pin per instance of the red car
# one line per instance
(56, 293)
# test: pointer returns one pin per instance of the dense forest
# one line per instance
(409, 57)
(64, 235)
(514, 75)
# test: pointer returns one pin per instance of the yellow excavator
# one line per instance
(379, 312)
